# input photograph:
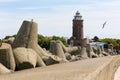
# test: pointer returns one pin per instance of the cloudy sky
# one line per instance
(54, 17)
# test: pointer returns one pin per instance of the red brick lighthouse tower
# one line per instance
(78, 34)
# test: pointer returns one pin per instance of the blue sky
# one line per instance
(54, 17)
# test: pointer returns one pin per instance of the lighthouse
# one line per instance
(78, 34)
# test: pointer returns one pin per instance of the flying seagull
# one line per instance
(104, 24)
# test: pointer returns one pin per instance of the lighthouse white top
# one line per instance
(77, 16)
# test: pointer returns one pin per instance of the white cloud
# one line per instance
(59, 22)
(28, 8)
(3, 1)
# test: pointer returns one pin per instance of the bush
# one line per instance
(10, 36)
(95, 39)
(115, 42)
(0, 42)
(59, 38)
(44, 42)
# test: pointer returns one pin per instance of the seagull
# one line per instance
(104, 24)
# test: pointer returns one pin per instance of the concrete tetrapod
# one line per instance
(48, 58)
(103, 52)
(27, 37)
(99, 52)
(3, 69)
(26, 58)
(6, 56)
(68, 49)
(90, 52)
(83, 53)
(56, 49)
(9, 40)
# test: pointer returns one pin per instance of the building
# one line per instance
(77, 38)
(101, 45)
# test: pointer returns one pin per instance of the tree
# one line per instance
(0, 42)
(60, 38)
(115, 42)
(95, 39)
(10, 36)
(44, 42)
(118, 43)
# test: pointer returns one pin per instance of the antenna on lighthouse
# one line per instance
(31, 20)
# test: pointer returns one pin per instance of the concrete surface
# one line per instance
(90, 69)
(117, 74)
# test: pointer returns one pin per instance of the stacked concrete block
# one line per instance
(103, 52)
(83, 53)
(26, 58)
(9, 40)
(3, 69)
(56, 49)
(90, 51)
(27, 37)
(68, 49)
(6, 56)
(99, 52)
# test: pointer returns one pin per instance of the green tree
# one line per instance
(115, 42)
(10, 36)
(0, 42)
(60, 38)
(44, 42)
(96, 39)
(118, 43)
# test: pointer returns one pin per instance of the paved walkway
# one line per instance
(117, 74)
(66, 71)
